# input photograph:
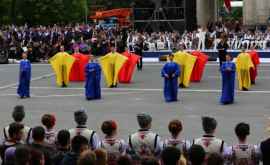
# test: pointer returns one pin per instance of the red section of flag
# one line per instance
(228, 5)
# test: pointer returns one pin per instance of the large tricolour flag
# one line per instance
(228, 6)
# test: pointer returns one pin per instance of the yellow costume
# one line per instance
(243, 65)
(111, 65)
(62, 63)
(187, 62)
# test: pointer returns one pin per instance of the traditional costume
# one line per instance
(126, 72)
(243, 65)
(186, 61)
(211, 144)
(77, 70)
(243, 153)
(61, 64)
(115, 148)
(144, 142)
(80, 118)
(182, 144)
(24, 78)
(111, 65)
(256, 61)
(92, 83)
(170, 72)
(228, 81)
(199, 66)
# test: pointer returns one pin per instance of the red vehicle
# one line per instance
(122, 16)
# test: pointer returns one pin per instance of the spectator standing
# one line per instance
(208, 141)
(39, 144)
(18, 115)
(175, 128)
(196, 155)
(48, 121)
(15, 132)
(79, 144)
(80, 118)
(243, 153)
(222, 50)
(62, 146)
(114, 146)
(144, 142)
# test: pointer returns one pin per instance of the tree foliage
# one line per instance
(47, 12)
(42, 11)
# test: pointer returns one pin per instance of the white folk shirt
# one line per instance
(115, 148)
(145, 143)
(182, 144)
(91, 135)
(26, 134)
(243, 151)
(211, 144)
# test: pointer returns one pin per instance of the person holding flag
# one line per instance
(186, 61)
(61, 64)
(77, 70)
(243, 66)
(256, 61)
(111, 65)
(126, 72)
(199, 66)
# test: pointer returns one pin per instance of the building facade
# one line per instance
(255, 12)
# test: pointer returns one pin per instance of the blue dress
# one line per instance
(24, 79)
(171, 69)
(228, 82)
(92, 82)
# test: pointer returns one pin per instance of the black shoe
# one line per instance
(28, 96)
(111, 86)
(88, 98)
(64, 85)
(22, 97)
(227, 103)
(182, 86)
(245, 89)
(253, 82)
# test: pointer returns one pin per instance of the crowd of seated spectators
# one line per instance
(44, 145)
(205, 38)
(42, 42)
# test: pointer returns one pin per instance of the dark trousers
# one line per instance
(221, 60)
(140, 63)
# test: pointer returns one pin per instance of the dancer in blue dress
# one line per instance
(228, 81)
(170, 72)
(24, 77)
(92, 82)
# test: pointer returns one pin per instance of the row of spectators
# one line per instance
(204, 38)
(43, 42)
(43, 145)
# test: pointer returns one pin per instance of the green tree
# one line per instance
(51, 11)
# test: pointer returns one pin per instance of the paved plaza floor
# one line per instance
(144, 94)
